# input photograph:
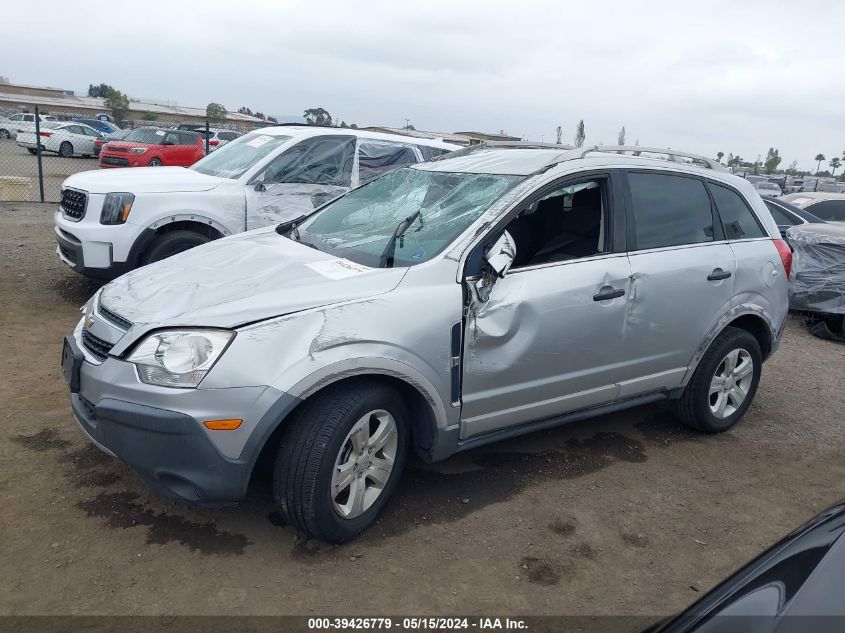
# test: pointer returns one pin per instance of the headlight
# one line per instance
(116, 208)
(179, 358)
(138, 150)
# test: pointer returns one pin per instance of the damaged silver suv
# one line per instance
(494, 292)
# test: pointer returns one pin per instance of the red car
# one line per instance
(150, 147)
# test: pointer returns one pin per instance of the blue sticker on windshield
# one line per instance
(417, 255)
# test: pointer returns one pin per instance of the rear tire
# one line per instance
(724, 383)
(324, 486)
(31, 150)
(65, 149)
(173, 242)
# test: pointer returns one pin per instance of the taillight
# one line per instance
(214, 142)
(785, 256)
(45, 134)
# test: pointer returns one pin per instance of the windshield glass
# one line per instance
(145, 135)
(236, 157)
(359, 225)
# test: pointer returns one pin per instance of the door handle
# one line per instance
(718, 274)
(607, 293)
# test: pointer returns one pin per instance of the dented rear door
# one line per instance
(545, 343)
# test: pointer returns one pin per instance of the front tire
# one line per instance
(4, 134)
(65, 149)
(173, 242)
(155, 162)
(724, 383)
(341, 458)
(32, 150)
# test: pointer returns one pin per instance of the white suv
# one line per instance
(112, 221)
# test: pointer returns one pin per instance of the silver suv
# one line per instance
(493, 292)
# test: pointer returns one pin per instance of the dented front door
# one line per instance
(547, 341)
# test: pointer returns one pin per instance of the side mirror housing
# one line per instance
(501, 254)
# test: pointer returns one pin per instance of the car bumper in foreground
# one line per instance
(168, 446)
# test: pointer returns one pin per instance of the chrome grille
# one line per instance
(116, 319)
(98, 348)
(73, 204)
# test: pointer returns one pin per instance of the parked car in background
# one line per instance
(766, 188)
(440, 307)
(9, 126)
(788, 215)
(101, 126)
(65, 139)
(795, 585)
(261, 178)
(119, 135)
(217, 137)
(827, 206)
(151, 147)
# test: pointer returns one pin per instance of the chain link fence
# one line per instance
(34, 172)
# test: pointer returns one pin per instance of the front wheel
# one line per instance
(724, 383)
(155, 162)
(31, 150)
(173, 242)
(4, 134)
(341, 458)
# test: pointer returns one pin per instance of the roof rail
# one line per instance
(501, 145)
(672, 154)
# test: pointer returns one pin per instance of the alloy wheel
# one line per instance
(364, 463)
(731, 383)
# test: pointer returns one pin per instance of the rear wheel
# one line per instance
(65, 149)
(341, 458)
(173, 242)
(724, 383)
(31, 150)
(155, 162)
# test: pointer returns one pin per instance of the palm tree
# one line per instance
(835, 164)
(819, 158)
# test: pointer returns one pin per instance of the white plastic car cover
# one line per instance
(818, 268)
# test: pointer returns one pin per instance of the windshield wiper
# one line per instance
(291, 225)
(386, 259)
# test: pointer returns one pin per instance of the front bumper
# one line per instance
(159, 432)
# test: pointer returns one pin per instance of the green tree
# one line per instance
(216, 112)
(99, 91)
(772, 160)
(118, 103)
(620, 140)
(149, 116)
(720, 156)
(317, 116)
(245, 110)
(835, 164)
(819, 158)
(580, 134)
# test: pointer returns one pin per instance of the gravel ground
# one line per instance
(625, 514)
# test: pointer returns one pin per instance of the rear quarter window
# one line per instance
(739, 221)
(670, 210)
(188, 138)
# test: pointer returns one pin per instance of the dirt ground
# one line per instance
(625, 514)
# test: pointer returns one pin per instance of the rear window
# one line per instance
(670, 210)
(188, 138)
(376, 158)
(432, 152)
(830, 210)
(737, 217)
(780, 217)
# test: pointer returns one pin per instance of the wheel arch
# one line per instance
(198, 223)
(751, 318)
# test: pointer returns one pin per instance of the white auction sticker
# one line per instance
(258, 141)
(337, 268)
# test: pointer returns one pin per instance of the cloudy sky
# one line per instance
(737, 76)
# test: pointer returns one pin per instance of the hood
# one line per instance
(242, 279)
(142, 180)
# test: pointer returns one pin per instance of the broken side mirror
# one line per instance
(499, 259)
(500, 256)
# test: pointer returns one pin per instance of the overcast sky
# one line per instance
(738, 76)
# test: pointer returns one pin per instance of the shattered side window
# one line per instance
(376, 158)
(359, 225)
